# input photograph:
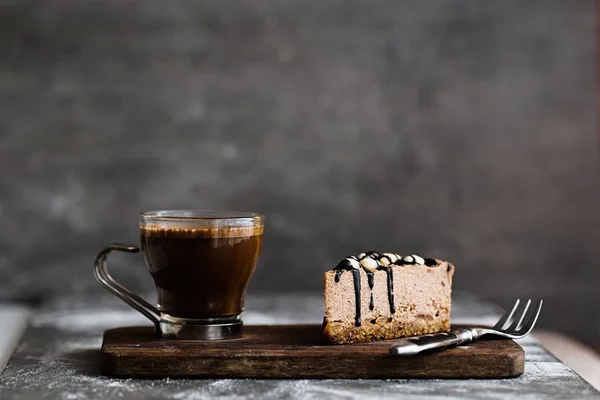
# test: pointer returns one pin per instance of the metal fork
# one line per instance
(512, 325)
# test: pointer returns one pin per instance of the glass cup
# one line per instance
(201, 263)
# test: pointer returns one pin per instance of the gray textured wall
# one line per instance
(464, 130)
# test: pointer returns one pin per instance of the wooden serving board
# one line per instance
(296, 351)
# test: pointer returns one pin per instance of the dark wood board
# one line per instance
(296, 351)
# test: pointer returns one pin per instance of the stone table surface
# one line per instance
(59, 358)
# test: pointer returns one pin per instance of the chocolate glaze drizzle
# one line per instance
(384, 263)
(371, 280)
(390, 284)
(430, 262)
(356, 274)
(338, 273)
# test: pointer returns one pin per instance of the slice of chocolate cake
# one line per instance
(376, 296)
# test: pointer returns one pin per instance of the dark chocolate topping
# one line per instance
(408, 260)
(338, 274)
(343, 265)
(356, 275)
(430, 262)
(370, 278)
(390, 284)
(372, 254)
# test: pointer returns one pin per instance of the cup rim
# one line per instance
(199, 215)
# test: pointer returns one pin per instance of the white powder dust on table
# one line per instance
(59, 358)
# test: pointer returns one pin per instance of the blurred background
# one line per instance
(462, 130)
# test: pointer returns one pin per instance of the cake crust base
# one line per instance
(339, 332)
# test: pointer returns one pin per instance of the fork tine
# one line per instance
(519, 318)
(529, 323)
(507, 316)
(527, 313)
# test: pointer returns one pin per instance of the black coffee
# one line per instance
(201, 273)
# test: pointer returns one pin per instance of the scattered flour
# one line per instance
(65, 365)
(101, 319)
(88, 320)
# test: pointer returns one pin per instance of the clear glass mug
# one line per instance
(201, 263)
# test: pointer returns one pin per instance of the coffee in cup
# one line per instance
(201, 263)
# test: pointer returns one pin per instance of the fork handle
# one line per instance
(418, 344)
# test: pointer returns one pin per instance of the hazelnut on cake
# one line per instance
(376, 296)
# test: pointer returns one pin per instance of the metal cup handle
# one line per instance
(135, 301)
